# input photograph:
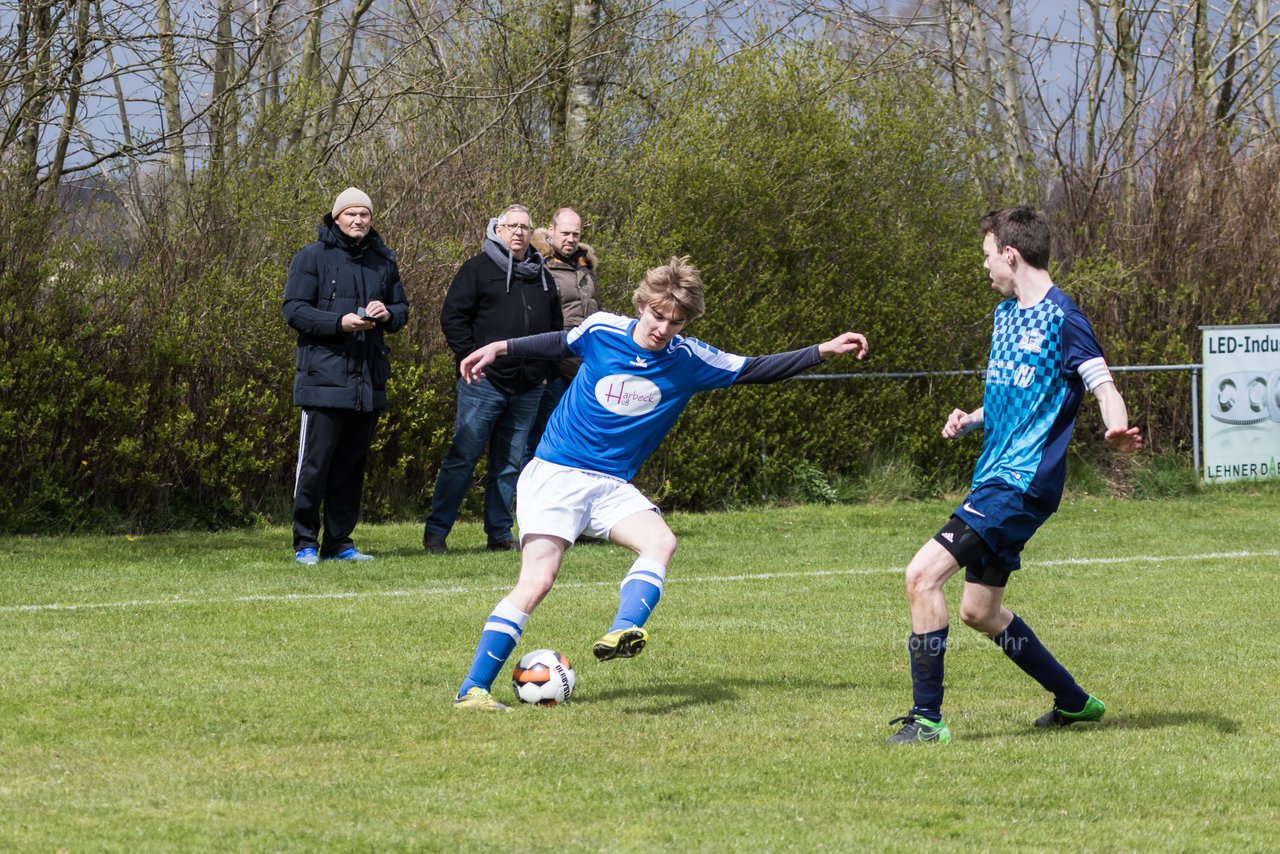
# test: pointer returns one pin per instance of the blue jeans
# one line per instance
(486, 417)
(554, 390)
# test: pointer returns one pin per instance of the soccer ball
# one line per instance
(543, 677)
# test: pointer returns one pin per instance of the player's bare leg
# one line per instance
(927, 574)
(982, 608)
(540, 558)
(540, 561)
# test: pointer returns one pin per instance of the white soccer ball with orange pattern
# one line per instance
(543, 677)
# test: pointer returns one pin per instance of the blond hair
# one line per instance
(675, 285)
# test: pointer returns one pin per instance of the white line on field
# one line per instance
(697, 579)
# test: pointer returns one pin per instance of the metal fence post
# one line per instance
(1195, 418)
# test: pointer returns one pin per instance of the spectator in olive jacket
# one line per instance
(572, 264)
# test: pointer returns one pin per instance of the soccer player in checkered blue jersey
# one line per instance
(1044, 358)
(636, 377)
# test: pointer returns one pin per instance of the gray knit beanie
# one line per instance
(351, 198)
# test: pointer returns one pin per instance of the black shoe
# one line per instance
(504, 546)
(434, 543)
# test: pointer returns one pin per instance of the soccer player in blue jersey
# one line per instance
(637, 376)
(1044, 358)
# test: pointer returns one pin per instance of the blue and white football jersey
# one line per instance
(1043, 359)
(625, 398)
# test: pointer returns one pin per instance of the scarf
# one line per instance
(529, 268)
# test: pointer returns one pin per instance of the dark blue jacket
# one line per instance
(327, 279)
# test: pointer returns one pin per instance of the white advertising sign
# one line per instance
(1241, 402)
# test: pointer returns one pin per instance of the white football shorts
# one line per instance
(564, 502)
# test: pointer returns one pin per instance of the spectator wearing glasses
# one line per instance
(502, 292)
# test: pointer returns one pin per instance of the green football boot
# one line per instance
(918, 730)
(1093, 710)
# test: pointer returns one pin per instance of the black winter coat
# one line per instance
(478, 310)
(330, 278)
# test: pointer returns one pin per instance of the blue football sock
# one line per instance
(498, 640)
(1024, 649)
(640, 592)
(927, 653)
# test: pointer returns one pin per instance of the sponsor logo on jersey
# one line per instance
(639, 362)
(624, 394)
(1031, 340)
(1025, 376)
(997, 370)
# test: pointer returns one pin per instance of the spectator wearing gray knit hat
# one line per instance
(342, 295)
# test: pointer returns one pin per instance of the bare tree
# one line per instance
(31, 62)
(1016, 146)
(307, 90)
(1094, 91)
(1125, 45)
(345, 58)
(222, 130)
(71, 98)
(560, 23)
(1264, 44)
(172, 93)
(584, 79)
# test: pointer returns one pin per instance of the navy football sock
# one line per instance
(1024, 649)
(927, 651)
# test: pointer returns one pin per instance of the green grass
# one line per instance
(201, 692)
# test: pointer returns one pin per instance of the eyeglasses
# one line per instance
(517, 226)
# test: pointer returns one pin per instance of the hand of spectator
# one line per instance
(352, 322)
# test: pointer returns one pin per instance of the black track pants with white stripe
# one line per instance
(333, 447)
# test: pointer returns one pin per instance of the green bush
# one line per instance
(147, 370)
(148, 377)
(812, 203)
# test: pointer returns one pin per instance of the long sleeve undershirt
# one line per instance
(757, 369)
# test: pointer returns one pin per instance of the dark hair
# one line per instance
(1024, 228)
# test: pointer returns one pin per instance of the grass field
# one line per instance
(201, 692)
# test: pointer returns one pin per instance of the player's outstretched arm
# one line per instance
(1115, 418)
(960, 422)
(781, 366)
(473, 365)
(848, 342)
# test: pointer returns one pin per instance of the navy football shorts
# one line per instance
(987, 532)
